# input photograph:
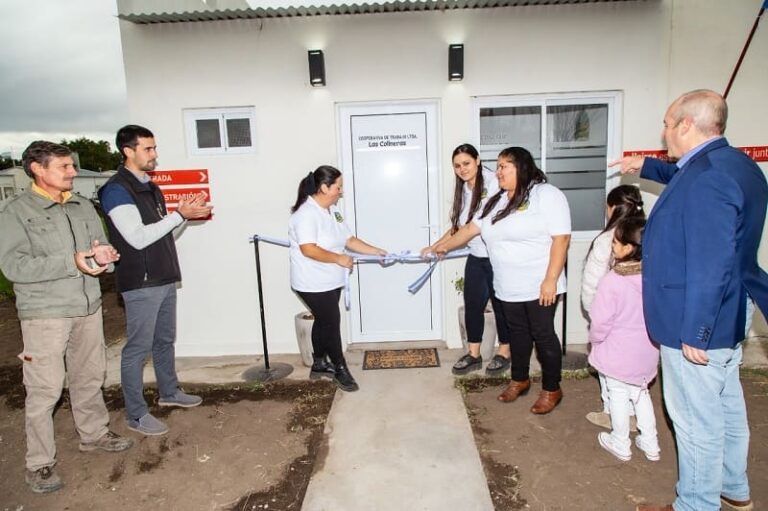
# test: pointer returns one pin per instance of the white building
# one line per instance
(225, 86)
(87, 182)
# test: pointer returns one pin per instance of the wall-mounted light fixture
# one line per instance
(455, 62)
(316, 68)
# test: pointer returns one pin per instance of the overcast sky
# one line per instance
(61, 71)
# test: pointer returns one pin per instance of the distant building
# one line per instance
(87, 182)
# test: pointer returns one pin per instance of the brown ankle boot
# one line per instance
(547, 401)
(514, 390)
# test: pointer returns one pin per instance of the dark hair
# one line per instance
(630, 232)
(323, 175)
(458, 191)
(528, 175)
(626, 202)
(41, 151)
(129, 135)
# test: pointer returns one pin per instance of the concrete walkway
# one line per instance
(403, 441)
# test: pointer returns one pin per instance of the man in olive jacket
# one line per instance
(52, 248)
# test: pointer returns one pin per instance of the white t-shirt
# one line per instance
(326, 228)
(519, 245)
(490, 187)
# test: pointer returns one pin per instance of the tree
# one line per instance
(97, 156)
(5, 163)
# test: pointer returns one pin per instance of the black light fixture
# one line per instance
(316, 68)
(455, 62)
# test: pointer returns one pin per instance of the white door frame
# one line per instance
(344, 111)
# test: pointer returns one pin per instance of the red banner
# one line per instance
(759, 153)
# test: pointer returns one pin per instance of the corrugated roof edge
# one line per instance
(338, 9)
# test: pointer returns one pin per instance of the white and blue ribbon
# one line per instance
(404, 257)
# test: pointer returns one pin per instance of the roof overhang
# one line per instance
(175, 11)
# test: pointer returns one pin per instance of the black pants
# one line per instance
(478, 288)
(529, 324)
(326, 330)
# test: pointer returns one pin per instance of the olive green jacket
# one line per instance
(38, 241)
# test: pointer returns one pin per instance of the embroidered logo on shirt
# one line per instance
(338, 217)
(484, 193)
(523, 206)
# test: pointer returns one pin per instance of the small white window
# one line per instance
(215, 131)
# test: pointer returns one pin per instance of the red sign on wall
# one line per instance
(178, 185)
(759, 153)
(179, 177)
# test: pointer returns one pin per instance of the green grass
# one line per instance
(6, 288)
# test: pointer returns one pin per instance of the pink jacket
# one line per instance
(621, 348)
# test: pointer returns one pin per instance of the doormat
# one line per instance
(401, 359)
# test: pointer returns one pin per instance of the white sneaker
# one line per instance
(652, 455)
(607, 442)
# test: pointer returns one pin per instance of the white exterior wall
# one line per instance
(651, 51)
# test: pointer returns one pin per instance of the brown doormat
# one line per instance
(401, 359)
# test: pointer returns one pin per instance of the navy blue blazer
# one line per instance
(700, 248)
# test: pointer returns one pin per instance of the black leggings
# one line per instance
(326, 330)
(478, 288)
(529, 324)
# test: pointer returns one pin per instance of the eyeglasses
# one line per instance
(667, 126)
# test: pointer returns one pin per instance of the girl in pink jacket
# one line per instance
(621, 351)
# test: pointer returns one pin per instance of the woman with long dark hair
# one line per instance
(318, 236)
(527, 228)
(474, 184)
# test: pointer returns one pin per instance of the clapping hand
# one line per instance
(194, 208)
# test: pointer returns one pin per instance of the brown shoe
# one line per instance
(514, 390)
(547, 401)
(651, 507)
(736, 505)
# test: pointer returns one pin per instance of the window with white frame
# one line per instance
(571, 137)
(216, 131)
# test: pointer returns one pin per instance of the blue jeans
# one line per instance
(706, 405)
(150, 327)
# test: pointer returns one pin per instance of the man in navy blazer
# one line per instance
(699, 269)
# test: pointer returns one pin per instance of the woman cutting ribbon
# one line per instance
(474, 184)
(318, 236)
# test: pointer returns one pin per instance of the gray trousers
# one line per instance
(151, 327)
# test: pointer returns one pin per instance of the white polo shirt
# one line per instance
(490, 186)
(519, 245)
(326, 228)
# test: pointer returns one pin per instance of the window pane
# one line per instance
(208, 133)
(509, 126)
(238, 133)
(576, 160)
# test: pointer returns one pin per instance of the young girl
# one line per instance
(622, 202)
(621, 350)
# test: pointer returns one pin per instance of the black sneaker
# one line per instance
(321, 368)
(467, 364)
(344, 379)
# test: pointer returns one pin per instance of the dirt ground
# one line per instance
(254, 448)
(553, 462)
(247, 447)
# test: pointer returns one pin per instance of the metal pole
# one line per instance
(744, 51)
(261, 303)
(267, 373)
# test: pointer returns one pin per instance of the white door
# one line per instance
(389, 158)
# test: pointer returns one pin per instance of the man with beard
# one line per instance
(142, 230)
